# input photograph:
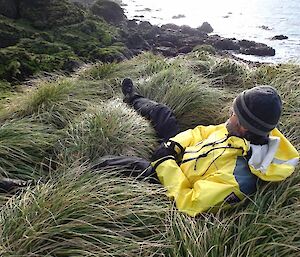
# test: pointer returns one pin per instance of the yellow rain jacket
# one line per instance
(216, 169)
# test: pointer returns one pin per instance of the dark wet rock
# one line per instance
(259, 50)
(110, 11)
(168, 36)
(179, 16)
(145, 25)
(132, 24)
(226, 44)
(9, 8)
(264, 27)
(167, 44)
(136, 41)
(279, 37)
(246, 43)
(166, 51)
(185, 49)
(170, 26)
(206, 27)
(192, 41)
(189, 31)
(144, 10)
(151, 33)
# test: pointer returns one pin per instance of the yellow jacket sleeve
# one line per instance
(193, 136)
(198, 197)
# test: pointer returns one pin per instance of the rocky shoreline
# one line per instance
(171, 40)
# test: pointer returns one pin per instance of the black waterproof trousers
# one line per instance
(160, 115)
(166, 126)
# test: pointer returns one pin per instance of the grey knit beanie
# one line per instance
(258, 109)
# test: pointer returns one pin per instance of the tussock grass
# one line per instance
(224, 71)
(141, 66)
(152, 64)
(24, 148)
(230, 72)
(85, 214)
(57, 102)
(111, 129)
(190, 97)
(51, 102)
(98, 71)
(79, 119)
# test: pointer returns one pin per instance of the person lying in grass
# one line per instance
(211, 166)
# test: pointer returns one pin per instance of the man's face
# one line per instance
(234, 127)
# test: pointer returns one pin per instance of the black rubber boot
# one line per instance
(127, 86)
(129, 91)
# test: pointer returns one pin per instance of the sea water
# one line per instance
(257, 20)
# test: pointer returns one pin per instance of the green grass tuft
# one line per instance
(85, 214)
(111, 129)
(99, 71)
(190, 97)
(54, 102)
(25, 149)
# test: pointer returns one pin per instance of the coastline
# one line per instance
(267, 22)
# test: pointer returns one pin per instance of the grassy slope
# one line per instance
(54, 131)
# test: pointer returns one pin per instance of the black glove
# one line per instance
(165, 149)
(10, 185)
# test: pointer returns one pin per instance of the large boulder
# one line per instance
(188, 30)
(170, 26)
(136, 41)
(206, 27)
(8, 8)
(254, 48)
(111, 12)
(279, 37)
(50, 13)
(226, 44)
(166, 51)
(259, 50)
(246, 43)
